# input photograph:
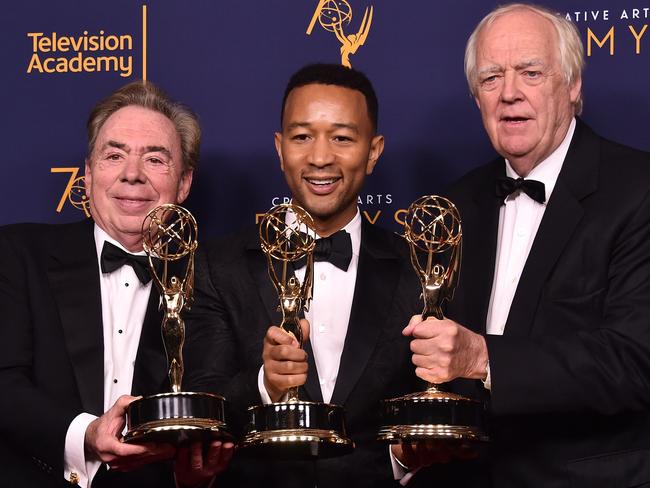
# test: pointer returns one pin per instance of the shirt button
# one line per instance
(126, 284)
(514, 279)
(115, 381)
(322, 328)
(322, 382)
(119, 331)
(521, 232)
(323, 276)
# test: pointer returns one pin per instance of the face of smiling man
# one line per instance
(136, 165)
(525, 101)
(327, 147)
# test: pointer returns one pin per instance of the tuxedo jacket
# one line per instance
(570, 398)
(52, 360)
(236, 297)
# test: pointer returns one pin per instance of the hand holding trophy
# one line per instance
(293, 428)
(169, 236)
(433, 230)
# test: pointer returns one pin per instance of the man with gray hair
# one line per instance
(80, 324)
(554, 299)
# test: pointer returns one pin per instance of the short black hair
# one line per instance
(338, 75)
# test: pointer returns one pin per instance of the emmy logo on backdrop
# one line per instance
(433, 230)
(332, 15)
(170, 238)
(293, 429)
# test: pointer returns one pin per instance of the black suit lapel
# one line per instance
(577, 179)
(377, 277)
(479, 252)
(73, 273)
(258, 268)
(150, 372)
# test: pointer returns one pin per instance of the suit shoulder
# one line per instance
(231, 247)
(468, 183)
(36, 234)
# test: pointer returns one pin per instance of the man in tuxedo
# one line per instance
(363, 286)
(81, 324)
(554, 295)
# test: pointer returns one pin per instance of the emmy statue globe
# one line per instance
(433, 231)
(170, 238)
(293, 429)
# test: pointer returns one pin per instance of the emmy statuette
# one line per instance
(293, 429)
(433, 230)
(169, 235)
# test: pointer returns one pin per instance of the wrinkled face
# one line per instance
(136, 165)
(327, 147)
(525, 101)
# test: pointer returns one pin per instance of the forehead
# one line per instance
(139, 126)
(330, 103)
(517, 36)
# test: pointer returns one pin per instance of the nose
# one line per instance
(133, 170)
(321, 154)
(510, 91)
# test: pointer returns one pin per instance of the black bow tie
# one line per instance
(113, 258)
(335, 249)
(534, 189)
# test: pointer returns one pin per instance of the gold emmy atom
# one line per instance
(433, 230)
(169, 235)
(293, 428)
(332, 15)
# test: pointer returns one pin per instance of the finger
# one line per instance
(304, 325)
(285, 381)
(415, 319)
(428, 329)
(287, 353)
(427, 375)
(278, 336)
(286, 367)
(182, 461)
(196, 456)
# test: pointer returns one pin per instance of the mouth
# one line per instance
(322, 185)
(132, 204)
(514, 120)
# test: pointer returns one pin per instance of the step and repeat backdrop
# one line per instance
(229, 60)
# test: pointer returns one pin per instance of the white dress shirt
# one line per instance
(124, 305)
(519, 220)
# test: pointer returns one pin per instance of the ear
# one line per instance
(184, 185)
(574, 90)
(88, 179)
(477, 101)
(376, 148)
(278, 148)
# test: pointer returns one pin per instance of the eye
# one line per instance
(532, 74)
(341, 138)
(300, 137)
(113, 157)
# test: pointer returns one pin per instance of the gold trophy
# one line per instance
(293, 428)
(169, 235)
(433, 230)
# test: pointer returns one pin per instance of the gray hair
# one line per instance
(147, 95)
(572, 59)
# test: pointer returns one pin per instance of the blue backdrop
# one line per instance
(230, 60)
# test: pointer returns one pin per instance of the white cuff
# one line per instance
(75, 467)
(487, 382)
(266, 398)
(400, 472)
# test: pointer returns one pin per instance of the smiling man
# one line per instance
(81, 323)
(555, 299)
(355, 355)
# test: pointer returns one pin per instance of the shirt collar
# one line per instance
(353, 228)
(101, 236)
(548, 170)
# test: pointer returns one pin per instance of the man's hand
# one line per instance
(444, 350)
(420, 454)
(103, 441)
(285, 364)
(196, 466)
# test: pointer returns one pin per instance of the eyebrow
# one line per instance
(147, 149)
(523, 65)
(337, 125)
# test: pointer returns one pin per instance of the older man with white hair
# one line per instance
(554, 298)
